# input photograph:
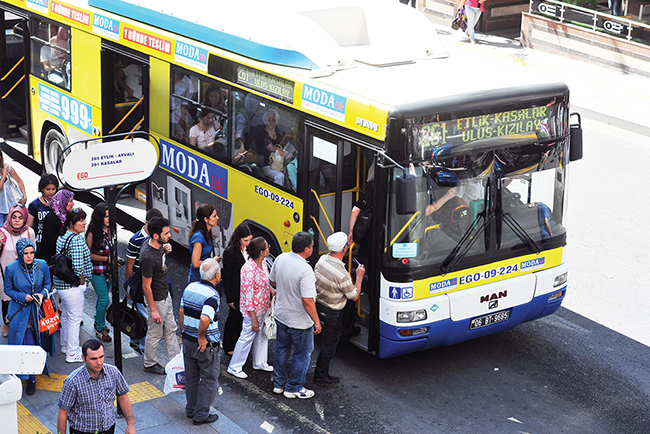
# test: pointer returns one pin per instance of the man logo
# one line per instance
(547, 9)
(614, 27)
(493, 304)
(494, 296)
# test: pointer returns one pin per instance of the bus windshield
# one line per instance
(481, 206)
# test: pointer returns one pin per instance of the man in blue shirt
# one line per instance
(88, 394)
(198, 321)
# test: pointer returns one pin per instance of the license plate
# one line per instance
(487, 320)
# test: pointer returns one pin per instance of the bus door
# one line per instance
(125, 92)
(336, 169)
(14, 67)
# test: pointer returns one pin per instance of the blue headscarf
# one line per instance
(21, 245)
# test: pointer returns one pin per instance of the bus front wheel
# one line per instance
(55, 142)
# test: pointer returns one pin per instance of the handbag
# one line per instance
(130, 322)
(61, 266)
(13, 188)
(269, 327)
(460, 21)
(276, 161)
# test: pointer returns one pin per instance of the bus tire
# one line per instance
(54, 143)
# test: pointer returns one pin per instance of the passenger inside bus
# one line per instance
(129, 80)
(269, 146)
(181, 97)
(203, 134)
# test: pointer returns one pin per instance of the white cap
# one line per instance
(337, 241)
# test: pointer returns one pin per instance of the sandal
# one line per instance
(5, 330)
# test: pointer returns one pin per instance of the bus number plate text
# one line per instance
(274, 197)
(487, 320)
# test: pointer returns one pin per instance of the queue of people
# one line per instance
(306, 301)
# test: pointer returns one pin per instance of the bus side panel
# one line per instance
(159, 88)
(86, 77)
(186, 179)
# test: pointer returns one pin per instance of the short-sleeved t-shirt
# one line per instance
(294, 280)
(206, 252)
(153, 265)
(39, 211)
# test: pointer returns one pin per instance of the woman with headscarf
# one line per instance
(27, 282)
(61, 203)
(15, 227)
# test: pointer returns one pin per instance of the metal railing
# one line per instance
(600, 22)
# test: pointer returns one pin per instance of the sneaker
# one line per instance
(278, 390)
(136, 348)
(64, 350)
(155, 369)
(302, 394)
(31, 388)
(103, 336)
(74, 359)
(238, 374)
(210, 419)
(473, 42)
(265, 367)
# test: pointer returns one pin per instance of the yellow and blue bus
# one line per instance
(286, 115)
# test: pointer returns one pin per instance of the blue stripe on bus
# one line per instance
(448, 332)
(206, 35)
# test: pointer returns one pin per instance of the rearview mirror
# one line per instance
(406, 195)
(575, 150)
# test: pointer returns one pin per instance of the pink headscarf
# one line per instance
(21, 209)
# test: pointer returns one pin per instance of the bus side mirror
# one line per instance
(406, 195)
(575, 150)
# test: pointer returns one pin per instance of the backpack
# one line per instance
(133, 286)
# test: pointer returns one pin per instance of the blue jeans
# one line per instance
(303, 344)
(102, 288)
(473, 14)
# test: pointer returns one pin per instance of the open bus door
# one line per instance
(14, 69)
(125, 93)
(337, 169)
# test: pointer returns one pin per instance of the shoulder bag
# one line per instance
(61, 266)
(130, 322)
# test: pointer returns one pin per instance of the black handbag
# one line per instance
(362, 223)
(61, 266)
(130, 321)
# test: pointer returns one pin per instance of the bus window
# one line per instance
(266, 139)
(51, 53)
(199, 113)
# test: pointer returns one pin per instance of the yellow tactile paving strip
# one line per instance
(53, 383)
(144, 391)
(28, 424)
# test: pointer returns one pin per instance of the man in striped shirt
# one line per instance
(198, 320)
(334, 287)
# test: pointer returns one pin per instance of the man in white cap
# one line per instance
(334, 287)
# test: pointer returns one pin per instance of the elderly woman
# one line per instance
(61, 203)
(72, 293)
(254, 304)
(15, 228)
(27, 282)
(269, 145)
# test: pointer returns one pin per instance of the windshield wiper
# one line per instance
(512, 224)
(471, 235)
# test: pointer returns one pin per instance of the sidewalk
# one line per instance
(606, 95)
(154, 412)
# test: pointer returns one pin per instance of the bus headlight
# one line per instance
(412, 316)
(560, 280)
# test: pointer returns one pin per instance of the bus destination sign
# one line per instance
(268, 84)
(532, 122)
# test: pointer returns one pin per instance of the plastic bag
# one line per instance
(269, 327)
(175, 369)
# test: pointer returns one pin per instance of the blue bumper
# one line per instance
(448, 332)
